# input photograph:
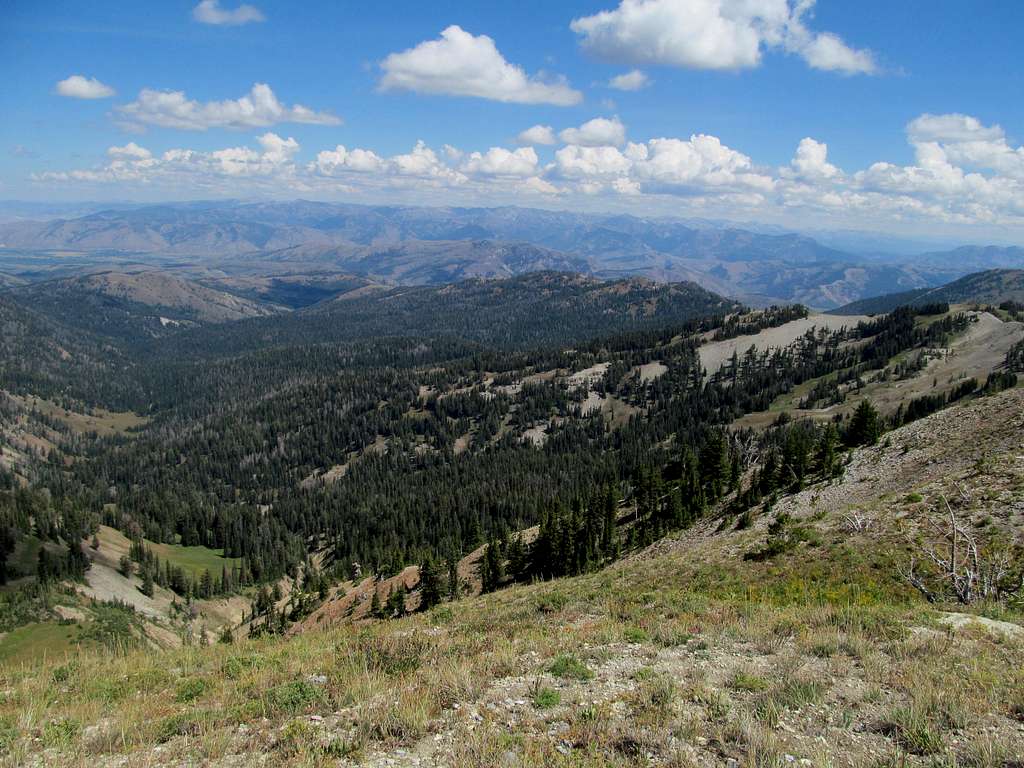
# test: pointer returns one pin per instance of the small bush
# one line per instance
(296, 736)
(743, 681)
(655, 697)
(569, 667)
(234, 666)
(180, 724)
(394, 655)
(545, 698)
(64, 672)
(795, 692)
(636, 635)
(191, 689)
(59, 733)
(293, 697)
(8, 733)
(552, 603)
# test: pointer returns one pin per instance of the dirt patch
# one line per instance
(537, 435)
(715, 354)
(651, 371)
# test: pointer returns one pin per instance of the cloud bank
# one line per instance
(964, 172)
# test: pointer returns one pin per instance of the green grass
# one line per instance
(744, 681)
(34, 642)
(569, 667)
(545, 698)
(194, 560)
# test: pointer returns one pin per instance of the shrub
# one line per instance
(569, 667)
(60, 732)
(294, 696)
(394, 655)
(636, 635)
(545, 698)
(744, 681)
(190, 689)
(8, 733)
(180, 724)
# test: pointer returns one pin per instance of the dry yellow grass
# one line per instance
(666, 642)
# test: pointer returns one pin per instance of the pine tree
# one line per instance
(430, 584)
(453, 577)
(491, 569)
(609, 530)
(45, 571)
(865, 426)
(826, 456)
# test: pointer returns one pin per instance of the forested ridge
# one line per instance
(410, 427)
(429, 437)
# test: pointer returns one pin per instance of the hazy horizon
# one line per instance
(802, 115)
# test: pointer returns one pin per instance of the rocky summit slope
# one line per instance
(688, 653)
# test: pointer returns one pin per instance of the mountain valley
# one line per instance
(430, 502)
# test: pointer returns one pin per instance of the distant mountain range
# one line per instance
(992, 286)
(426, 246)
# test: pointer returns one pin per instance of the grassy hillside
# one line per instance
(685, 654)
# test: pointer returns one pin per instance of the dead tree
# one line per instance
(856, 521)
(959, 564)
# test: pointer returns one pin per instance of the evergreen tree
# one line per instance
(430, 584)
(491, 571)
(453, 577)
(826, 456)
(518, 562)
(865, 426)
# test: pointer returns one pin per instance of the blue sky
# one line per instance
(903, 117)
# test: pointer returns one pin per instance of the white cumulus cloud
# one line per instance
(591, 163)
(81, 87)
(598, 132)
(714, 34)
(537, 134)
(498, 161)
(131, 151)
(331, 162)
(257, 109)
(810, 161)
(210, 12)
(634, 80)
(461, 64)
(702, 161)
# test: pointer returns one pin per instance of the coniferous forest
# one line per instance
(417, 433)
